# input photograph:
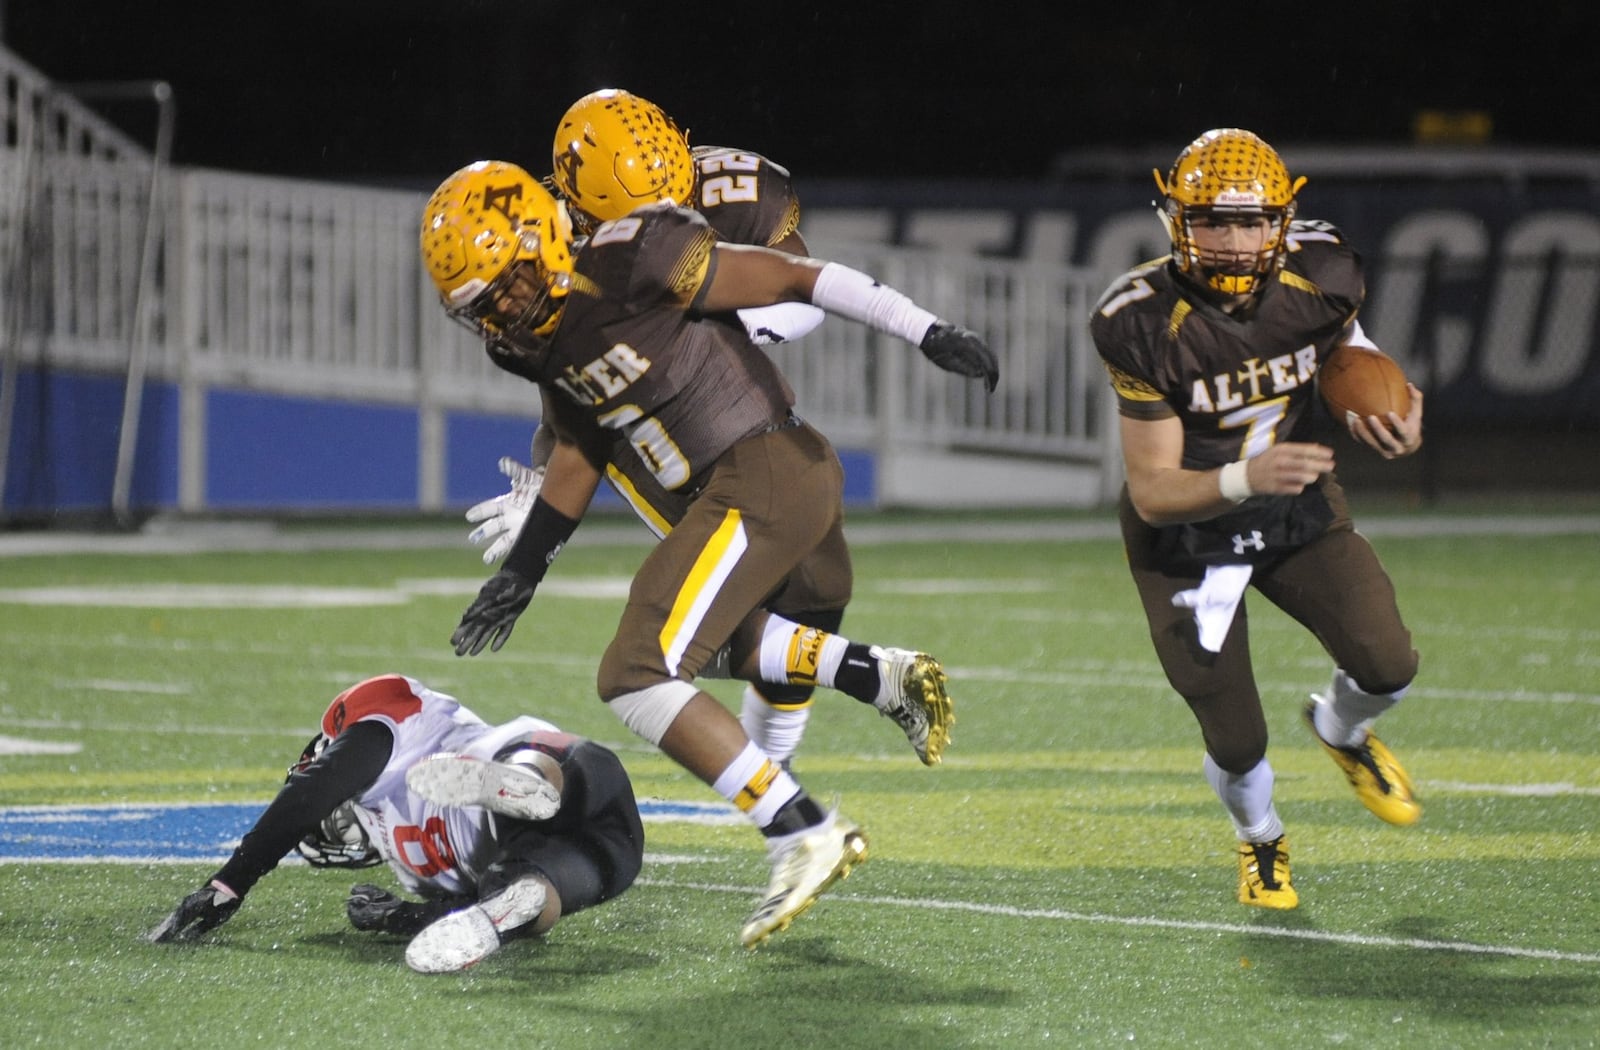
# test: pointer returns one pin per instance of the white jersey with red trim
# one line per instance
(434, 850)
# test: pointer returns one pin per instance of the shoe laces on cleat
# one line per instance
(1264, 874)
(1379, 781)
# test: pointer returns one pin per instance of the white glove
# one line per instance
(502, 517)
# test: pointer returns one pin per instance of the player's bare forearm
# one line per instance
(570, 480)
(746, 275)
(1174, 496)
(1165, 493)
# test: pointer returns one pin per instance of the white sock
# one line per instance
(790, 653)
(1248, 799)
(757, 785)
(775, 730)
(1343, 716)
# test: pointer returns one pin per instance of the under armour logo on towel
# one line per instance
(1241, 541)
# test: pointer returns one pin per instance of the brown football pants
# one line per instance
(767, 528)
(1334, 586)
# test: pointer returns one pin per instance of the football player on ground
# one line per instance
(613, 152)
(1213, 352)
(501, 830)
(628, 333)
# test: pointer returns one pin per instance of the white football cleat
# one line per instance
(801, 874)
(911, 692)
(465, 938)
(501, 787)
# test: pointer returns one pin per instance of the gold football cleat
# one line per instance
(1264, 875)
(1377, 777)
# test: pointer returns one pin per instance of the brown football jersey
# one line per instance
(1239, 384)
(630, 355)
(745, 197)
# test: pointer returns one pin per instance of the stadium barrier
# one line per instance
(295, 357)
(281, 350)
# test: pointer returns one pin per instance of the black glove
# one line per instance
(368, 906)
(204, 909)
(373, 908)
(962, 351)
(490, 617)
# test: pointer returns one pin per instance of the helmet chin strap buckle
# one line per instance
(1234, 283)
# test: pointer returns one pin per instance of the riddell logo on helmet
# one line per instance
(1238, 199)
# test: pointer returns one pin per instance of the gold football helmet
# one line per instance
(615, 151)
(1227, 173)
(499, 249)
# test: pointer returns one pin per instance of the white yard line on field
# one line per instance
(1455, 787)
(1122, 674)
(1148, 922)
(176, 536)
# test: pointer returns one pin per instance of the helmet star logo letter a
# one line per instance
(499, 198)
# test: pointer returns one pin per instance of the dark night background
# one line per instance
(405, 91)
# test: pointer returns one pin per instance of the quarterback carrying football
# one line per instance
(1213, 353)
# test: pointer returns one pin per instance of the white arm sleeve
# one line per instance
(780, 322)
(853, 294)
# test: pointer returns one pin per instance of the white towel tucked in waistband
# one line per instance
(1215, 601)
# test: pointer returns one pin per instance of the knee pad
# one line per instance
(650, 712)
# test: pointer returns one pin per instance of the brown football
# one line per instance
(1355, 379)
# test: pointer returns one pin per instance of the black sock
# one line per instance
(858, 673)
(797, 814)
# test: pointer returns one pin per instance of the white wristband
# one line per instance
(853, 294)
(1235, 482)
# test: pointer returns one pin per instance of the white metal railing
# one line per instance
(1051, 395)
(36, 113)
(44, 127)
(301, 287)
(282, 285)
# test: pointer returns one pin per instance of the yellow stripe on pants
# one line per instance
(717, 559)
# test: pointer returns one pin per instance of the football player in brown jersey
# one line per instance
(627, 334)
(614, 151)
(1213, 354)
